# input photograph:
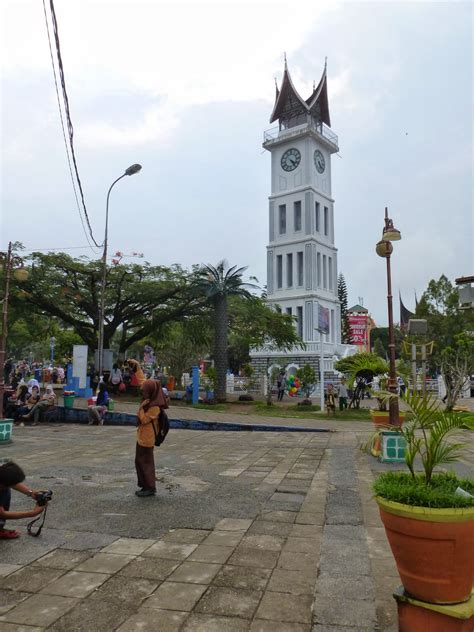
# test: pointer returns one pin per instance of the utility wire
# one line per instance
(64, 131)
(68, 117)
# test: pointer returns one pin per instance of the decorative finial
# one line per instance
(325, 64)
(314, 85)
(284, 56)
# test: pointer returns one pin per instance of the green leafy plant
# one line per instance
(363, 367)
(429, 436)
(307, 377)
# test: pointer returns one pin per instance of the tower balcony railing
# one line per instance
(275, 133)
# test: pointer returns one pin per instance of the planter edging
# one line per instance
(427, 514)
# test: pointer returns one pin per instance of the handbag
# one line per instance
(164, 426)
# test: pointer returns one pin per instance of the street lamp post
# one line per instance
(128, 172)
(384, 249)
(9, 260)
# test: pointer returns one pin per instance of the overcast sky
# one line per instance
(186, 89)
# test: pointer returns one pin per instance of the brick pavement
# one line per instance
(249, 531)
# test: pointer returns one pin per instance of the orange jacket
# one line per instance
(145, 432)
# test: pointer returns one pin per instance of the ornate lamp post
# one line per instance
(384, 249)
(130, 171)
(9, 260)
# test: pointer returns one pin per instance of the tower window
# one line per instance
(330, 272)
(318, 259)
(289, 270)
(279, 270)
(299, 321)
(326, 220)
(282, 218)
(289, 311)
(297, 212)
(299, 268)
(325, 272)
(316, 223)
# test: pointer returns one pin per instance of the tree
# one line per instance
(379, 349)
(139, 299)
(379, 340)
(342, 296)
(451, 329)
(307, 378)
(217, 284)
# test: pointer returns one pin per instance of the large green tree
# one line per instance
(139, 299)
(452, 330)
(217, 284)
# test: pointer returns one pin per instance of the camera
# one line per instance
(43, 497)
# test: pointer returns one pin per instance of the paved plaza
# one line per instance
(249, 531)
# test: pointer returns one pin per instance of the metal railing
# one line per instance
(275, 133)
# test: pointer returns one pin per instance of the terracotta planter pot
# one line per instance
(433, 550)
(381, 419)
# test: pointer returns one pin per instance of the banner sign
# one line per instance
(358, 329)
(79, 364)
(323, 319)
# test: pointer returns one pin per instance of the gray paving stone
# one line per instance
(278, 516)
(84, 541)
(266, 527)
(104, 563)
(242, 577)
(90, 615)
(212, 554)
(351, 563)
(259, 625)
(346, 612)
(186, 536)
(8, 569)
(74, 584)
(151, 620)
(233, 524)
(39, 610)
(343, 507)
(10, 598)
(175, 596)
(30, 578)
(149, 568)
(212, 623)
(305, 517)
(292, 561)
(357, 587)
(229, 602)
(306, 531)
(285, 607)
(15, 627)
(63, 559)
(246, 556)
(224, 538)
(264, 542)
(170, 550)
(126, 591)
(288, 497)
(303, 545)
(128, 546)
(293, 582)
(195, 573)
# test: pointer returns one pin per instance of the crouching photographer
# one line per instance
(12, 477)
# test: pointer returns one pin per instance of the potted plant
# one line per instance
(361, 369)
(428, 516)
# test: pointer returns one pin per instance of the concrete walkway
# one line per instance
(260, 532)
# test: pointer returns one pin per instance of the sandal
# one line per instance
(9, 534)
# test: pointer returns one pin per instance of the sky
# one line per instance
(187, 89)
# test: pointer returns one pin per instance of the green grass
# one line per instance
(311, 412)
(216, 407)
(400, 487)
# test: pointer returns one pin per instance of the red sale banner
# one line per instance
(358, 329)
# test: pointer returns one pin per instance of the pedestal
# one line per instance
(420, 616)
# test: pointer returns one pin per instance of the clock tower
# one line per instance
(301, 251)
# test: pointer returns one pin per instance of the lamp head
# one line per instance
(133, 169)
(384, 248)
(390, 233)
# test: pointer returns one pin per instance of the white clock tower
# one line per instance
(301, 253)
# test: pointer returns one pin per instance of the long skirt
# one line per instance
(145, 466)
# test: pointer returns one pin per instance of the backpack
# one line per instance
(164, 425)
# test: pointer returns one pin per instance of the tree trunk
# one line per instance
(220, 348)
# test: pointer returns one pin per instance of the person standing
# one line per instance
(115, 378)
(330, 400)
(148, 427)
(343, 394)
(281, 380)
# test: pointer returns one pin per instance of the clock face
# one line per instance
(319, 161)
(290, 159)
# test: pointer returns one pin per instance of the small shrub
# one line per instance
(245, 398)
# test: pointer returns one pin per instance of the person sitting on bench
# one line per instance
(47, 401)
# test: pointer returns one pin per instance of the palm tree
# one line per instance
(217, 284)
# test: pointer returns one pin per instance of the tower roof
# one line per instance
(288, 102)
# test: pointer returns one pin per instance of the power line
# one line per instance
(64, 131)
(68, 117)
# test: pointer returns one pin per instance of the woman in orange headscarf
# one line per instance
(148, 426)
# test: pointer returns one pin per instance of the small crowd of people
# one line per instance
(16, 371)
(27, 403)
